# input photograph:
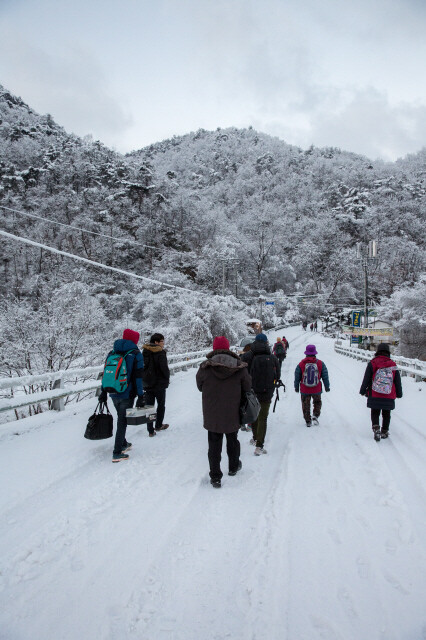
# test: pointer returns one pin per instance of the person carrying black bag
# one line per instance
(127, 348)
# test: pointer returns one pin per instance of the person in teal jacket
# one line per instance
(124, 400)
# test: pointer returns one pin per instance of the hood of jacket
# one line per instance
(260, 348)
(223, 363)
(380, 362)
(122, 346)
(154, 348)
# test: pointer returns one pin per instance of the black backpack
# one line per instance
(263, 373)
(279, 349)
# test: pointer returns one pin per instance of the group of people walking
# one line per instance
(313, 326)
(224, 378)
(147, 377)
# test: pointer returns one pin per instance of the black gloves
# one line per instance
(103, 396)
(140, 402)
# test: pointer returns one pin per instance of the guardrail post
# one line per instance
(417, 378)
(58, 404)
(98, 390)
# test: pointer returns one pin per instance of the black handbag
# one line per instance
(249, 407)
(99, 425)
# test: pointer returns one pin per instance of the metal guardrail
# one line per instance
(406, 366)
(58, 392)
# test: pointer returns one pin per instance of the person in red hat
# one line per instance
(307, 376)
(221, 378)
(126, 346)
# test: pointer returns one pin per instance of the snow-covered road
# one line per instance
(324, 537)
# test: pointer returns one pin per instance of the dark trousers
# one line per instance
(375, 418)
(159, 395)
(121, 405)
(259, 426)
(306, 405)
(215, 452)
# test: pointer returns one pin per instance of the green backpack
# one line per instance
(114, 379)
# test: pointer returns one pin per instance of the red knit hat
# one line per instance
(220, 343)
(129, 334)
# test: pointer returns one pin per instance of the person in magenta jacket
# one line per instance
(381, 385)
(307, 376)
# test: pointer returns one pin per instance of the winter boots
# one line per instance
(259, 450)
(234, 473)
(118, 457)
(376, 432)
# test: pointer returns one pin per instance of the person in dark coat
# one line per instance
(124, 400)
(264, 369)
(307, 376)
(381, 385)
(279, 351)
(222, 378)
(156, 378)
(247, 347)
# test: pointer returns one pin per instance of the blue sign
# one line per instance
(356, 318)
(269, 302)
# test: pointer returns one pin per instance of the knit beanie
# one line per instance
(383, 347)
(261, 337)
(220, 343)
(129, 334)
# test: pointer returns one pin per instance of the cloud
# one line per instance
(327, 73)
(71, 85)
(363, 121)
(371, 125)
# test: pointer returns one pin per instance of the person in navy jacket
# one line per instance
(307, 376)
(383, 400)
(124, 400)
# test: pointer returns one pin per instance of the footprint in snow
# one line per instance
(363, 568)
(396, 583)
(334, 536)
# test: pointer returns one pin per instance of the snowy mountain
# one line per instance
(233, 211)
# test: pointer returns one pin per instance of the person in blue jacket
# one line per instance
(124, 400)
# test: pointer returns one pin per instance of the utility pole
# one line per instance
(366, 253)
(225, 265)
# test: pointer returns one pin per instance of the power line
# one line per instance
(99, 264)
(70, 226)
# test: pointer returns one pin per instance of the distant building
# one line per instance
(254, 325)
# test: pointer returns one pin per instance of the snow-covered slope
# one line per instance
(324, 537)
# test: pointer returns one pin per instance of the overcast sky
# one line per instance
(339, 73)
